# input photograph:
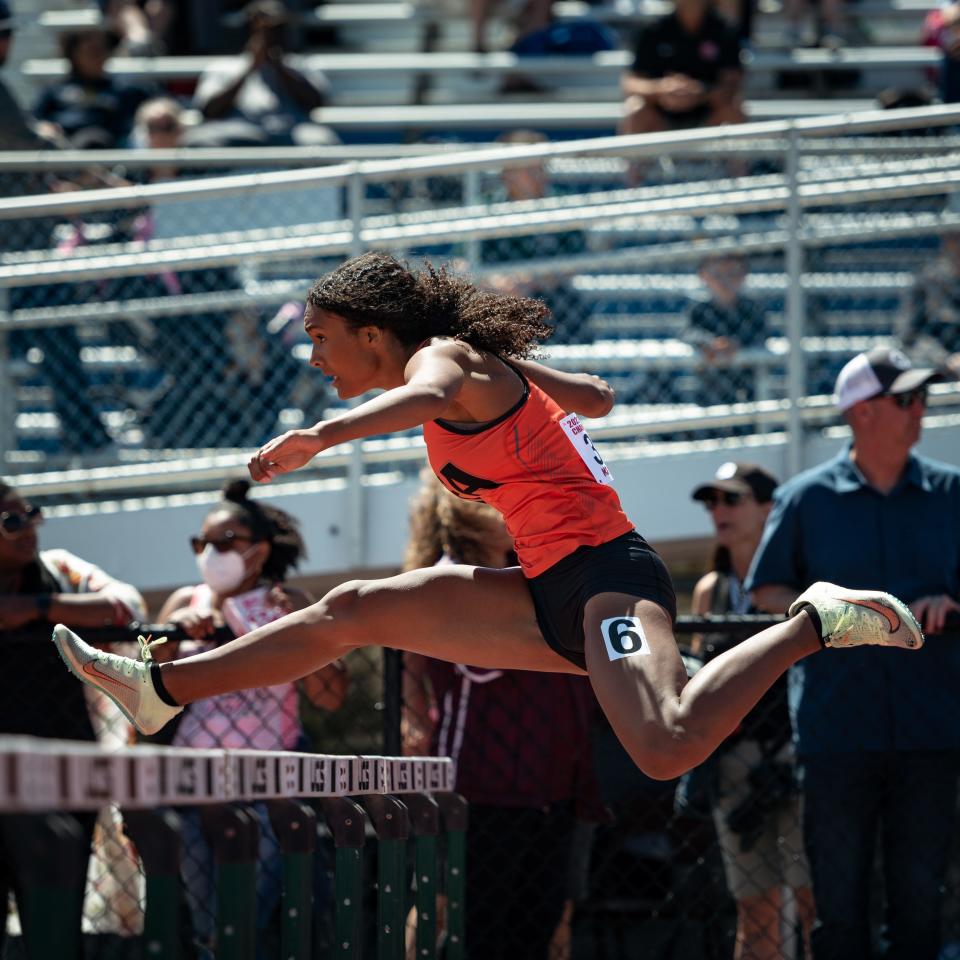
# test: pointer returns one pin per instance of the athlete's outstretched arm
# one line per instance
(433, 380)
(574, 392)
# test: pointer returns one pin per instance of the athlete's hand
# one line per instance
(932, 612)
(283, 454)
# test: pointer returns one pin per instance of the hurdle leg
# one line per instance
(347, 824)
(453, 812)
(391, 822)
(295, 825)
(234, 834)
(425, 824)
(156, 835)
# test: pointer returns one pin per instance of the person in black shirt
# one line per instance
(686, 72)
(755, 807)
(38, 587)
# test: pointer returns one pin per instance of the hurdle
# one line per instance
(395, 798)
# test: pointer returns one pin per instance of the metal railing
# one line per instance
(831, 185)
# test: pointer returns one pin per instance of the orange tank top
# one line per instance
(538, 468)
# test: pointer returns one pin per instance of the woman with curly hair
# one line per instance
(589, 595)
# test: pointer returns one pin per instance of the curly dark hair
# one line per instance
(378, 290)
(267, 523)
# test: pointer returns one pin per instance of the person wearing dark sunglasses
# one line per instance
(38, 587)
(245, 551)
(877, 737)
(755, 806)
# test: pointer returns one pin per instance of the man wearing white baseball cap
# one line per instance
(882, 372)
(877, 738)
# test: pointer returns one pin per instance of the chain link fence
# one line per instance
(134, 318)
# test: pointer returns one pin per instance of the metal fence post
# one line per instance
(796, 368)
(391, 823)
(471, 196)
(453, 810)
(356, 518)
(392, 701)
(295, 825)
(8, 398)
(156, 835)
(347, 824)
(233, 833)
(425, 823)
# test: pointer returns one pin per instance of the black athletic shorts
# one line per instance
(627, 564)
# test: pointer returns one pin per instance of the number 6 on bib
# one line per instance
(624, 637)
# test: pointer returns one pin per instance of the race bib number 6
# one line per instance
(578, 436)
(624, 637)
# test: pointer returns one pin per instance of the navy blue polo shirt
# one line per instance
(830, 524)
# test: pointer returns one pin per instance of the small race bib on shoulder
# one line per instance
(624, 637)
(578, 436)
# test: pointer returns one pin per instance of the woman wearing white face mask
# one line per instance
(244, 552)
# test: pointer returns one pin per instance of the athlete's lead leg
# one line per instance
(461, 614)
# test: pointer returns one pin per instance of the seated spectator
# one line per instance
(941, 29)
(37, 589)
(721, 325)
(521, 745)
(930, 325)
(755, 803)
(245, 550)
(158, 125)
(93, 110)
(570, 311)
(262, 99)
(686, 72)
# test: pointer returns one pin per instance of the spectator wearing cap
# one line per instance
(686, 72)
(930, 326)
(877, 737)
(262, 98)
(753, 794)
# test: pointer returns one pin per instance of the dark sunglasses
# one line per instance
(906, 400)
(13, 523)
(710, 500)
(224, 544)
(168, 125)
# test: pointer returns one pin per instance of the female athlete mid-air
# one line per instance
(590, 595)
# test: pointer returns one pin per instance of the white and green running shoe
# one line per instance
(127, 682)
(852, 618)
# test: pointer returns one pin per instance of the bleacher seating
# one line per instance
(403, 72)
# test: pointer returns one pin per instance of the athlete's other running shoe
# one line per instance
(125, 681)
(851, 618)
